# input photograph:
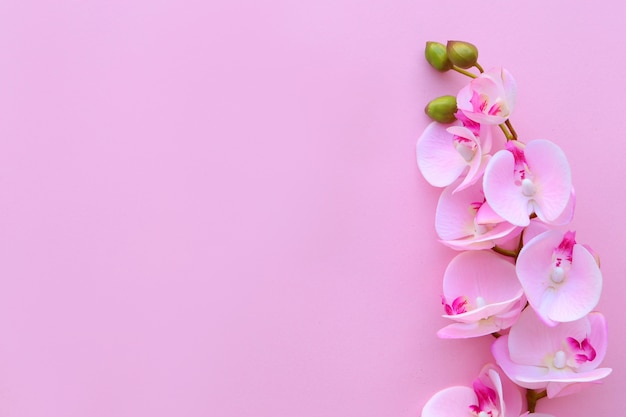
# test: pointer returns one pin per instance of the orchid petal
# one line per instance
(450, 402)
(500, 352)
(503, 197)
(551, 169)
(481, 274)
(437, 159)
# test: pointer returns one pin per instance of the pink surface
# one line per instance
(214, 209)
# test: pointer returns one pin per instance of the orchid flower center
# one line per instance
(562, 258)
(459, 305)
(528, 188)
(480, 104)
(557, 275)
(487, 401)
(465, 147)
(560, 360)
(573, 354)
(521, 173)
(480, 302)
(480, 229)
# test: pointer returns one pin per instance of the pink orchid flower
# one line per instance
(519, 181)
(559, 359)
(446, 152)
(481, 294)
(490, 396)
(560, 277)
(465, 221)
(489, 98)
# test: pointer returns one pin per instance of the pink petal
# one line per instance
(509, 394)
(530, 340)
(503, 308)
(581, 292)
(467, 330)
(455, 222)
(508, 83)
(570, 300)
(481, 274)
(454, 218)
(551, 171)
(500, 352)
(450, 402)
(502, 194)
(437, 158)
(567, 377)
(598, 338)
(568, 214)
(477, 164)
(534, 265)
(486, 215)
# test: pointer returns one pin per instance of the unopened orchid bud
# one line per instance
(437, 56)
(442, 109)
(462, 54)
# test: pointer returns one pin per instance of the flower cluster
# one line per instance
(521, 275)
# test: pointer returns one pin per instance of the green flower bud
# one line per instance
(437, 56)
(462, 54)
(442, 109)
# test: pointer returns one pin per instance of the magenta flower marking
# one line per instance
(487, 400)
(583, 351)
(473, 126)
(480, 104)
(566, 248)
(458, 306)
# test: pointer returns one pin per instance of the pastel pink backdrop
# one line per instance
(213, 208)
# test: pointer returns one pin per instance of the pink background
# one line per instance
(213, 208)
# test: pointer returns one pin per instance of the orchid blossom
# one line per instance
(520, 181)
(465, 221)
(481, 293)
(560, 277)
(559, 358)
(446, 152)
(490, 396)
(489, 98)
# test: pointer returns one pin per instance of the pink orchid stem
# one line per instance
(532, 397)
(479, 68)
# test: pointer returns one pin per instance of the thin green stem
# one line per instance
(504, 252)
(532, 397)
(510, 126)
(477, 65)
(462, 71)
(508, 135)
